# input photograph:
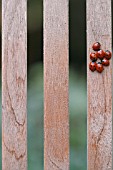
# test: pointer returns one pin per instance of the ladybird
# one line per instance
(96, 46)
(93, 56)
(100, 54)
(99, 67)
(105, 62)
(108, 54)
(92, 66)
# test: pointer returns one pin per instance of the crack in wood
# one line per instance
(13, 112)
(54, 163)
(19, 79)
(109, 159)
(13, 152)
(12, 109)
(98, 140)
(104, 95)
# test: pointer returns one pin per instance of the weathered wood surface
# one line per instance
(56, 118)
(14, 84)
(99, 88)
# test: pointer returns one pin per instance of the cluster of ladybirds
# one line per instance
(99, 58)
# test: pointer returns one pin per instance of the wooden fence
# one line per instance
(56, 75)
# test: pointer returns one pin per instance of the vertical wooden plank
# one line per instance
(99, 88)
(14, 82)
(56, 118)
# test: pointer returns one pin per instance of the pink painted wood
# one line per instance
(56, 117)
(99, 88)
(14, 84)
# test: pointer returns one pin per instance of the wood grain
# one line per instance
(99, 88)
(14, 84)
(56, 118)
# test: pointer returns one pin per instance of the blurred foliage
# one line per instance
(78, 130)
(78, 121)
(35, 33)
(35, 118)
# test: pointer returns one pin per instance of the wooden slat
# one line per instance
(99, 88)
(14, 81)
(56, 123)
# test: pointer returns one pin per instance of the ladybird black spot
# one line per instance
(99, 63)
(94, 61)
